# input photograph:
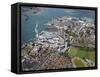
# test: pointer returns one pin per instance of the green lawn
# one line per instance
(79, 63)
(90, 55)
(82, 53)
(73, 51)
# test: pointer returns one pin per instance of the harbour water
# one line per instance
(28, 24)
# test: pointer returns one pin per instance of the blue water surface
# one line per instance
(29, 21)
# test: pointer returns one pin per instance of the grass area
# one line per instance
(79, 63)
(73, 51)
(82, 53)
(90, 55)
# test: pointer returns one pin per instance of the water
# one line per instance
(29, 21)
